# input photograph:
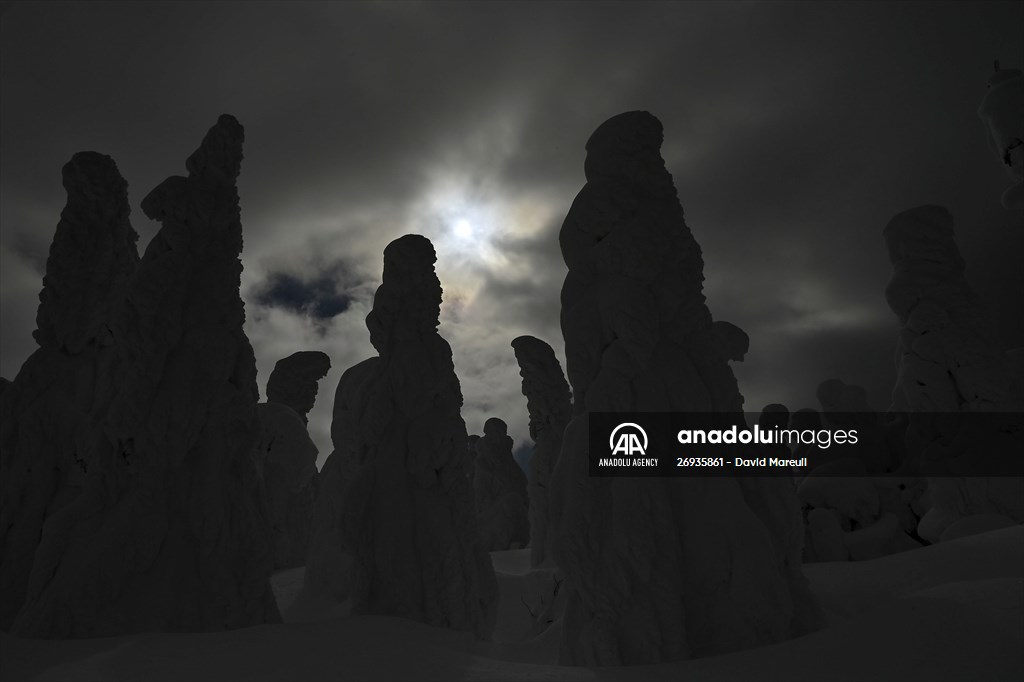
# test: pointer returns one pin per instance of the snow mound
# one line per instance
(951, 611)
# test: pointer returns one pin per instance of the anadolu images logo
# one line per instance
(631, 441)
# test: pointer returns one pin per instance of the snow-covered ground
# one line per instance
(953, 611)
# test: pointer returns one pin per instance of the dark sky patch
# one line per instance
(529, 294)
(323, 294)
(32, 247)
(316, 298)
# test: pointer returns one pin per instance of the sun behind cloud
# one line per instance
(463, 229)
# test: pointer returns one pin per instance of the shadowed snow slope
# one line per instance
(946, 612)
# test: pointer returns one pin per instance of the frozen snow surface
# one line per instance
(953, 611)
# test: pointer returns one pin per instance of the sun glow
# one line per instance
(463, 228)
(471, 222)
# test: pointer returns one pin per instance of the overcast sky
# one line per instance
(794, 131)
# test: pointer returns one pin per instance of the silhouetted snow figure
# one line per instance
(329, 560)
(732, 344)
(948, 360)
(170, 530)
(471, 442)
(92, 258)
(1003, 111)
(731, 340)
(948, 357)
(499, 487)
(288, 455)
(407, 509)
(659, 569)
(45, 413)
(294, 380)
(549, 403)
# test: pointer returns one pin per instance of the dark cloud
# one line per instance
(21, 285)
(317, 290)
(32, 247)
(527, 296)
(787, 367)
(317, 297)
